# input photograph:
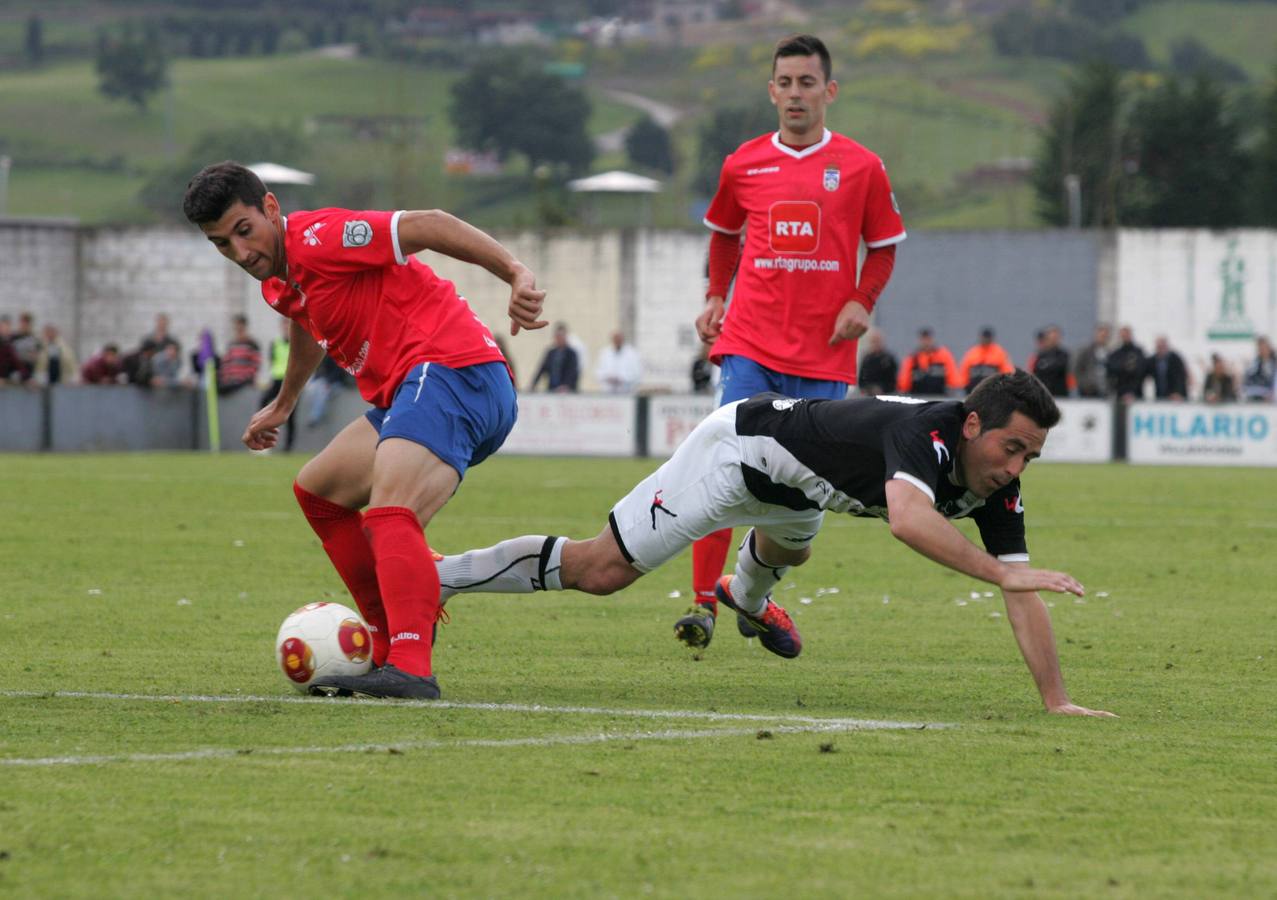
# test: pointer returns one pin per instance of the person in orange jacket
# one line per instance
(984, 359)
(929, 370)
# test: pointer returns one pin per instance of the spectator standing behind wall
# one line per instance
(10, 364)
(104, 367)
(278, 360)
(241, 361)
(878, 367)
(1089, 366)
(56, 363)
(930, 369)
(1260, 382)
(1125, 366)
(619, 369)
(985, 358)
(1167, 369)
(1220, 386)
(26, 344)
(166, 367)
(560, 365)
(704, 373)
(1051, 364)
(329, 378)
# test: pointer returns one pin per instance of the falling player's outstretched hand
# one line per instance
(262, 432)
(1072, 709)
(852, 322)
(1022, 578)
(525, 302)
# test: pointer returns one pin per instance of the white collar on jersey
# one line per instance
(805, 151)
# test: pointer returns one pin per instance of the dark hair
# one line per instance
(804, 45)
(216, 188)
(239, 319)
(995, 398)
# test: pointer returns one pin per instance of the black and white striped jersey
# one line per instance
(838, 455)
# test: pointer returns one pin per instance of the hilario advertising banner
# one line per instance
(1235, 434)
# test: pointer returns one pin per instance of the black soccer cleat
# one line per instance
(696, 628)
(773, 627)
(383, 683)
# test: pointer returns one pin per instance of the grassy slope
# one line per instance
(1174, 799)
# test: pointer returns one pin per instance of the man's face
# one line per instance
(926, 342)
(1125, 335)
(1102, 335)
(989, 461)
(251, 238)
(800, 94)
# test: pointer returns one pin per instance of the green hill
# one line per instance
(922, 86)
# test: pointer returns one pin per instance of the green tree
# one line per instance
(1263, 195)
(34, 43)
(131, 66)
(722, 133)
(648, 144)
(1191, 169)
(1082, 145)
(514, 107)
(162, 193)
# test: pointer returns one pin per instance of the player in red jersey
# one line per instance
(442, 393)
(805, 199)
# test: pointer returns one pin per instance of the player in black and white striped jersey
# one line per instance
(778, 464)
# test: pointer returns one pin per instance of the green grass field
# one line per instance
(134, 578)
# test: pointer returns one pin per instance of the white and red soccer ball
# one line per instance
(322, 639)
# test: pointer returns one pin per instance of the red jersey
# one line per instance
(375, 312)
(804, 212)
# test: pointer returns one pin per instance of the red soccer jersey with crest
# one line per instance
(375, 312)
(804, 212)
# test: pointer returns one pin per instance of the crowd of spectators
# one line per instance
(1103, 368)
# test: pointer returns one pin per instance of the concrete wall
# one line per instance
(107, 284)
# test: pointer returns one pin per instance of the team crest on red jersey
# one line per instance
(832, 177)
(794, 226)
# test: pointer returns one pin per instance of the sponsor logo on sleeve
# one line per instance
(310, 237)
(1014, 504)
(942, 452)
(357, 233)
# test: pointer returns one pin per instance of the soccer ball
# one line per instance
(322, 639)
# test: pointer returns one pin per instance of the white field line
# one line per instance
(778, 724)
(689, 714)
(400, 747)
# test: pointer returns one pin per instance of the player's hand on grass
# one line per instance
(1072, 709)
(1022, 578)
(262, 432)
(709, 324)
(852, 322)
(525, 302)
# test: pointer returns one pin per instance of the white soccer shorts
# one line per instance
(698, 490)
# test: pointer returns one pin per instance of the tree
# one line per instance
(513, 107)
(162, 193)
(722, 133)
(648, 144)
(1083, 140)
(1263, 195)
(131, 66)
(34, 44)
(1191, 169)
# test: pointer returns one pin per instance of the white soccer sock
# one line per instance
(753, 579)
(518, 566)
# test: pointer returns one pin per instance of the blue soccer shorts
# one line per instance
(743, 378)
(460, 415)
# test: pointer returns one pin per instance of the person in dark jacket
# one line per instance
(1167, 369)
(1125, 366)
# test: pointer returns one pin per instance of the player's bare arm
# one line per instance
(304, 357)
(434, 229)
(1031, 624)
(916, 523)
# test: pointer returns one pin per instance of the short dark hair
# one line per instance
(804, 45)
(995, 398)
(216, 188)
